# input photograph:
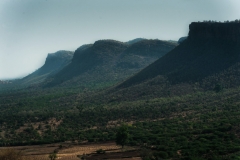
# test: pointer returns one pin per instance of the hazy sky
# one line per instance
(30, 29)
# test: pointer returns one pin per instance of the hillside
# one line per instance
(107, 62)
(54, 63)
(209, 49)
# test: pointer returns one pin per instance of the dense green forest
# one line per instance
(203, 124)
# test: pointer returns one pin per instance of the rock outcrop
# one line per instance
(216, 31)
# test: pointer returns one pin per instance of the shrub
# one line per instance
(52, 156)
(100, 151)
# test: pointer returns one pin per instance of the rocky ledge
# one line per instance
(215, 30)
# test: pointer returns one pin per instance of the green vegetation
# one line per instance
(52, 156)
(203, 125)
(122, 135)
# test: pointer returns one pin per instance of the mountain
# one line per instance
(54, 63)
(209, 49)
(107, 62)
(209, 59)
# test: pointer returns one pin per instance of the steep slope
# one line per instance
(209, 49)
(107, 62)
(54, 63)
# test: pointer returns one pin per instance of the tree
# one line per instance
(218, 88)
(52, 156)
(122, 135)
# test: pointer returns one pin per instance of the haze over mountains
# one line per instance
(209, 56)
(54, 63)
(210, 48)
(103, 63)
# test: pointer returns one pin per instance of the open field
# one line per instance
(69, 151)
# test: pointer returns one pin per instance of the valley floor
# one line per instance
(71, 151)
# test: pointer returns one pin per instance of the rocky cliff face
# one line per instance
(216, 31)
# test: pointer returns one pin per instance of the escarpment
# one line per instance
(209, 49)
(214, 31)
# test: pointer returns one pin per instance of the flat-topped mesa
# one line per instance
(214, 30)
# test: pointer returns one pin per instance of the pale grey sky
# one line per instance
(30, 29)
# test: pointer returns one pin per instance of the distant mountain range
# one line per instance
(209, 55)
(107, 62)
(104, 63)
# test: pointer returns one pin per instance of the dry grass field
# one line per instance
(70, 151)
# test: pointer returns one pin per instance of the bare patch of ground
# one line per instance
(52, 123)
(70, 151)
